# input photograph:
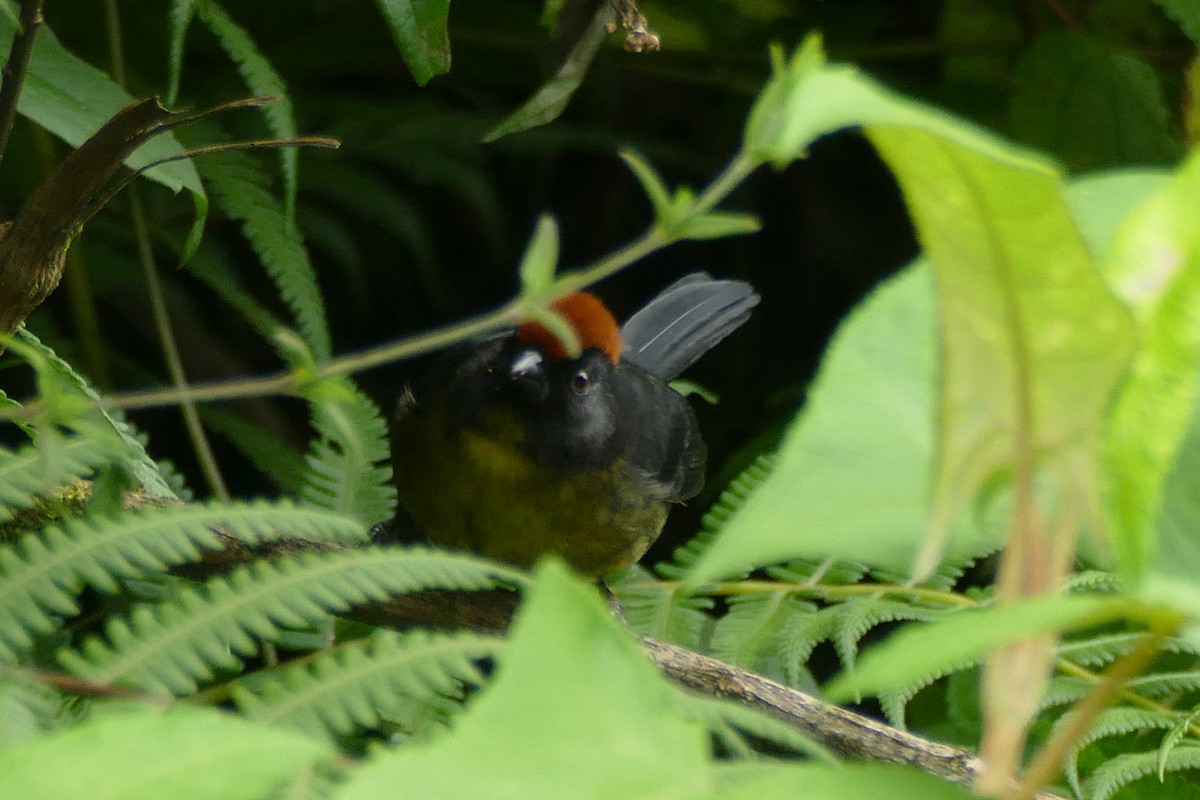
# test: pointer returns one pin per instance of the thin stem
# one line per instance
(1068, 667)
(729, 179)
(158, 302)
(16, 67)
(752, 587)
(1049, 759)
(170, 348)
(286, 383)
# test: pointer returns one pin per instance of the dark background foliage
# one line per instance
(415, 222)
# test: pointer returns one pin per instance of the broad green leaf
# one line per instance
(1089, 106)
(1032, 341)
(854, 471)
(917, 651)
(575, 706)
(145, 753)
(72, 99)
(773, 781)
(551, 99)
(1150, 442)
(419, 28)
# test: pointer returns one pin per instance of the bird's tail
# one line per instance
(684, 321)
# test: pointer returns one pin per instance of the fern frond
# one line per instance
(1099, 651)
(1119, 721)
(1117, 773)
(810, 572)
(855, 619)
(348, 466)
(26, 707)
(1063, 690)
(731, 499)
(29, 474)
(894, 703)
(264, 81)
(133, 449)
(1093, 580)
(798, 635)
(942, 579)
(241, 188)
(181, 15)
(660, 610)
(1173, 739)
(170, 646)
(41, 574)
(745, 635)
(364, 682)
(1161, 684)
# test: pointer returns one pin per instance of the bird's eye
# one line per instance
(581, 382)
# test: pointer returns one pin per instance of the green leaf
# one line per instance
(917, 651)
(41, 574)
(134, 455)
(656, 191)
(1186, 14)
(171, 646)
(1031, 353)
(134, 753)
(766, 781)
(1033, 343)
(242, 189)
(551, 99)
(419, 28)
(348, 466)
(540, 259)
(72, 99)
(1091, 107)
(716, 225)
(360, 683)
(574, 703)
(1150, 441)
(182, 12)
(853, 473)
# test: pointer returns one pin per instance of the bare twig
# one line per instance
(852, 735)
(16, 66)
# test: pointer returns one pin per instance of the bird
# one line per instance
(512, 448)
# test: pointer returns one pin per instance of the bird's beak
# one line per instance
(527, 364)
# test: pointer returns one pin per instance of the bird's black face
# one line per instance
(567, 405)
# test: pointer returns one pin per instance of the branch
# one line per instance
(849, 734)
(16, 66)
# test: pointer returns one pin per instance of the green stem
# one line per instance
(750, 587)
(1048, 760)
(729, 179)
(287, 383)
(158, 302)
